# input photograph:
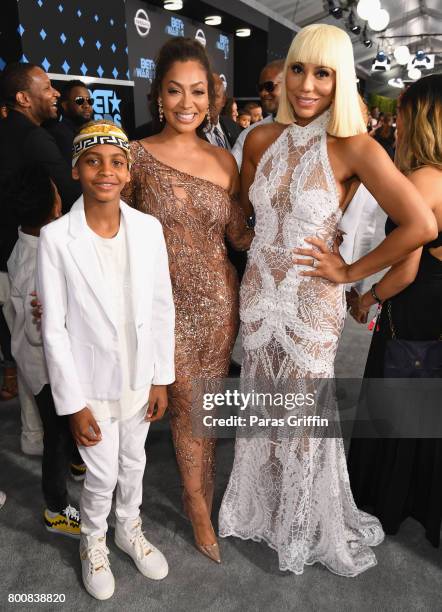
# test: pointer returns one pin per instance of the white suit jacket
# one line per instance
(79, 335)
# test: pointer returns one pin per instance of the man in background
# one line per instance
(269, 89)
(30, 100)
(76, 110)
(223, 131)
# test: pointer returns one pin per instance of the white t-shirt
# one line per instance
(239, 143)
(114, 264)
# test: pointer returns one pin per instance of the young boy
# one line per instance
(36, 202)
(108, 331)
(244, 118)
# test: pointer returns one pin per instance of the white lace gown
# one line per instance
(293, 491)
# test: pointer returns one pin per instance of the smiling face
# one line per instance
(310, 90)
(103, 172)
(244, 120)
(40, 98)
(185, 97)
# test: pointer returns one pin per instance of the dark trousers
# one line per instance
(58, 447)
(5, 341)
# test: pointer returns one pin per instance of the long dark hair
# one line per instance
(420, 142)
(180, 50)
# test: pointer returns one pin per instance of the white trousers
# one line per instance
(118, 460)
(31, 425)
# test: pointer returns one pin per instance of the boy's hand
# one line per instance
(157, 403)
(36, 309)
(84, 428)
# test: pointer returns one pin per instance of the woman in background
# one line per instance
(231, 109)
(398, 478)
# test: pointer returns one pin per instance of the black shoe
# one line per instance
(234, 369)
(78, 471)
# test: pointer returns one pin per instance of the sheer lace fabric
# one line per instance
(287, 488)
(196, 215)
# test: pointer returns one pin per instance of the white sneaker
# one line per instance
(148, 559)
(2, 498)
(98, 579)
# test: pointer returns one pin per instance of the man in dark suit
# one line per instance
(31, 100)
(76, 110)
(224, 131)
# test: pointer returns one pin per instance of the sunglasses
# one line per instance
(80, 100)
(269, 86)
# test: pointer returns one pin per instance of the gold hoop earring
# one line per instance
(160, 110)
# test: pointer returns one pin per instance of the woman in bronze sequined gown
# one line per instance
(190, 186)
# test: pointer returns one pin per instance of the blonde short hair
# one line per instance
(327, 45)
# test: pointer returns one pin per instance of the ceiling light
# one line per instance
(173, 5)
(366, 41)
(366, 8)
(414, 74)
(213, 20)
(243, 32)
(334, 10)
(422, 60)
(352, 26)
(402, 55)
(379, 20)
(381, 63)
(396, 83)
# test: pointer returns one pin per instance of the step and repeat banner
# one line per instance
(112, 47)
(81, 40)
(149, 28)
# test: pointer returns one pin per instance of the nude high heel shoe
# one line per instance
(209, 550)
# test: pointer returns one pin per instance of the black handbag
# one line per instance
(411, 358)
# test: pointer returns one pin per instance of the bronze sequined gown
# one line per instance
(196, 215)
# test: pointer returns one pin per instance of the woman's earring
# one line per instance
(208, 119)
(160, 110)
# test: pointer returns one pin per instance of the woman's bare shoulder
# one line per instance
(260, 139)
(264, 133)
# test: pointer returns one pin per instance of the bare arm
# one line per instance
(248, 170)
(398, 197)
(257, 141)
(238, 233)
(403, 273)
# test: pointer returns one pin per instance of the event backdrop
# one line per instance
(85, 40)
(148, 28)
(111, 45)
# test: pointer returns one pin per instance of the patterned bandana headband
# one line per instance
(98, 133)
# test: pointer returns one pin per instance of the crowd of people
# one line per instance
(119, 294)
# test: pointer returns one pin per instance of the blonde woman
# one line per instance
(398, 478)
(290, 488)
